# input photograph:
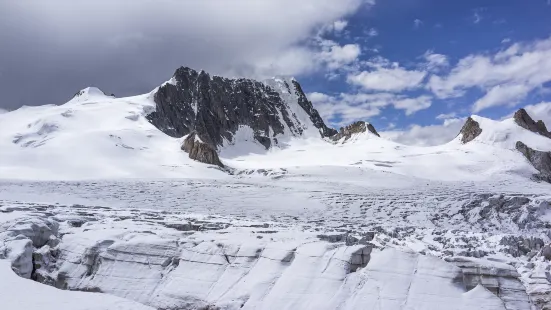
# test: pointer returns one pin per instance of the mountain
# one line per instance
(245, 125)
(521, 133)
(112, 195)
(217, 112)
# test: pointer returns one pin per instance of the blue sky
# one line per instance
(413, 68)
(411, 33)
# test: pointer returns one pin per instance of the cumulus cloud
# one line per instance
(387, 76)
(2, 111)
(505, 77)
(339, 25)
(417, 23)
(337, 56)
(429, 135)
(344, 109)
(128, 48)
(508, 95)
(412, 105)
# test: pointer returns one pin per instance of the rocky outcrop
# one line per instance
(215, 108)
(470, 130)
(354, 128)
(200, 151)
(540, 160)
(523, 119)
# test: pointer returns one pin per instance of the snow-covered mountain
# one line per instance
(242, 125)
(212, 193)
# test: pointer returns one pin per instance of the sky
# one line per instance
(414, 68)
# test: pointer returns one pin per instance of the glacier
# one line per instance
(105, 208)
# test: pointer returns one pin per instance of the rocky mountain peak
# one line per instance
(470, 130)
(354, 128)
(215, 108)
(523, 119)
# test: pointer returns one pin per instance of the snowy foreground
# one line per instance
(277, 242)
(359, 223)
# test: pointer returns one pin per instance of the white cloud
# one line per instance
(412, 105)
(2, 111)
(513, 72)
(506, 40)
(417, 23)
(371, 32)
(445, 116)
(508, 95)
(337, 56)
(344, 109)
(476, 17)
(258, 38)
(426, 135)
(339, 25)
(435, 61)
(388, 78)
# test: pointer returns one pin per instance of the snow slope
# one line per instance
(17, 293)
(92, 136)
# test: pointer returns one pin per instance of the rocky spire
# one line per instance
(523, 119)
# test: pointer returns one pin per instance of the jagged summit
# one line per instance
(523, 119)
(221, 111)
(470, 130)
(354, 129)
(520, 133)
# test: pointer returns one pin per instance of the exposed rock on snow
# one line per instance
(470, 130)
(200, 151)
(356, 128)
(523, 119)
(540, 160)
(215, 108)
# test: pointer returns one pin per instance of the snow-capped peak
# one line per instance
(504, 134)
(89, 93)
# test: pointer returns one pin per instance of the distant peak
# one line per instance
(524, 120)
(354, 128)
(89, 91)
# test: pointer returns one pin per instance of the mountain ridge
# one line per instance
(101, 136)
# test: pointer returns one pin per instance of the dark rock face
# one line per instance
(524, 120)
(354, 128)
(214, 108)
(540, 160)
(470, 130)
(314, 115)
(200, 151)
